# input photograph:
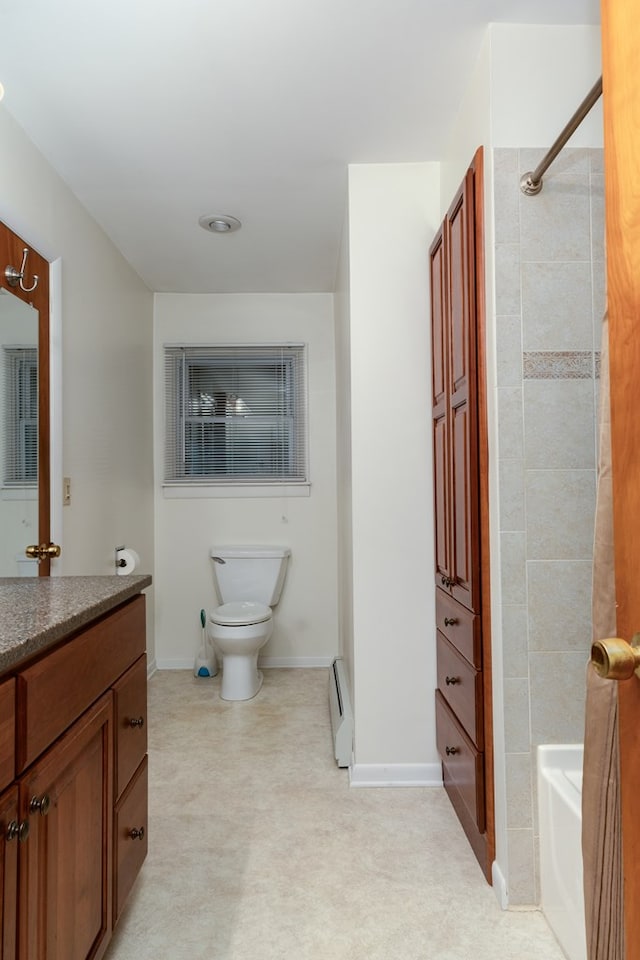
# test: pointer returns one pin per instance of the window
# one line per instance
(20, 441)
(235, 415)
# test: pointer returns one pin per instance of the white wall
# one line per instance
(393, 213)
(306, 629)
(104, 349)
(343, 454)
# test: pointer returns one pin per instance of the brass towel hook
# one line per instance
(15, 277)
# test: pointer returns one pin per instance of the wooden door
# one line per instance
(65, 865)
(621, 92)
(9, 839)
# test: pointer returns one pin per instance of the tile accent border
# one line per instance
(559, 365)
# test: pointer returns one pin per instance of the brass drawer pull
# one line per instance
(136, 722)
(451, 751)
(446, 582)
(451, 681)
(137, 833)
(450, 621)
(18, 830)
(40, 805)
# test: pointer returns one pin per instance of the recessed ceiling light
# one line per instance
(218, 223)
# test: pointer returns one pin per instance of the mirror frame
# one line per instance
(11, 247)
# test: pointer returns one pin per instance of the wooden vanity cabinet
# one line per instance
(65, 863)
(8, 872)
(77, 754)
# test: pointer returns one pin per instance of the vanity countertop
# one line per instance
(36, 612)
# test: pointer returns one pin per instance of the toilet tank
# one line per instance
(250, 572)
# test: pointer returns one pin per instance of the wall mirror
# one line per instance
(24, 409)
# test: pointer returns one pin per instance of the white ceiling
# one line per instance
(155, 112)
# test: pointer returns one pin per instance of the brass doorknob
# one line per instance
(615, 659)
(41, 552)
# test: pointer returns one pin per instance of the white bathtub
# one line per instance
(560, 820)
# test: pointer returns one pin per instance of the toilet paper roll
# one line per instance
(127, 560)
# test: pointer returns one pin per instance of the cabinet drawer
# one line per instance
(130, 710)
(130, 851)
(7, 732)
(459, 626)
(463, 765)
(53, 692)
(461, 686)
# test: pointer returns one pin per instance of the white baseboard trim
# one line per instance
(175, 664)
(499, 886)
(267, 663)
(395, 775)
(151, 667)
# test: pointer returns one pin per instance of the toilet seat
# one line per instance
(240, 613)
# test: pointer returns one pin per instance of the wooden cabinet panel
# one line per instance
(7, 732)
(53, 692)
(130, 713)
(65, 866)
(130, 837)
(8, 872)
(462, 764)
(460, 627)
(461, 685)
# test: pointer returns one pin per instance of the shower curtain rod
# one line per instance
(531, 183)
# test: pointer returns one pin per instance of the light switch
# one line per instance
(66, 491)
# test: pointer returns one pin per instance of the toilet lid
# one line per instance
(241, 612)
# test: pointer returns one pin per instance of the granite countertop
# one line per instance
(36, 612)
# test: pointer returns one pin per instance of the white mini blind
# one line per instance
(20, 424)
(235, 414)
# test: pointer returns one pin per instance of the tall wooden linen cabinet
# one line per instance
(463, 695)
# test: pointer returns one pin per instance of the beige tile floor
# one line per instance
(259, 849)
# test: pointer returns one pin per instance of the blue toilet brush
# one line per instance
(205, 665)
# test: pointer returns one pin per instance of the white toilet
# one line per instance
(249, 582)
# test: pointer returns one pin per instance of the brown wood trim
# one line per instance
(477, 166)
(11, 247)
(621, 96)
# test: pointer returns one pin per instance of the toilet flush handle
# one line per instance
(218, 560)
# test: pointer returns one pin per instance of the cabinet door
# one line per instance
(65, 866)
(440, 408)
(463, 388)
(9, 838)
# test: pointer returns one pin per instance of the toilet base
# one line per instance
(241, 679)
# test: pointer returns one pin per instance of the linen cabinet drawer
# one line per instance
(459, 626)
(462, 764)
(7, 732)
(53, 692)
(130, 712)
(461, 686)
(130, 837)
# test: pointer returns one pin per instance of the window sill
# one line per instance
(194, 491)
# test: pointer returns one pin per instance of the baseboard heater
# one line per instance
(341, 713)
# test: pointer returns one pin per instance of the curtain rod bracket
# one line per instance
(530, 186)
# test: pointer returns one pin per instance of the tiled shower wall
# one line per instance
(549, 303)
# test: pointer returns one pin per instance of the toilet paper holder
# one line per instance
(126, 560)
